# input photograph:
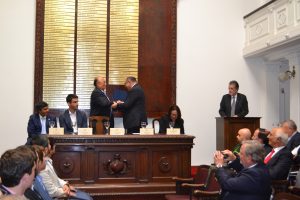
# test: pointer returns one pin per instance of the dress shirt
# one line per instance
(275, 151)
(74, 121)
(43, 123)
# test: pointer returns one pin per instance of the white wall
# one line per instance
(17, 33)
(210, 42)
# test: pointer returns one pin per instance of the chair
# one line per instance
(286, 196)
(155, 125)
(280, 186)
(204, 181)
(96, 122)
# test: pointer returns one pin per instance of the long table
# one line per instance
(123, 164)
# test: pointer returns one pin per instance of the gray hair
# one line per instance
(282, 136)
(291, 124)
(254, 149)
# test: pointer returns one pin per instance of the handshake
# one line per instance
(115, 104)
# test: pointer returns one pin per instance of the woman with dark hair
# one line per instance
(172, 119)
(261, 135)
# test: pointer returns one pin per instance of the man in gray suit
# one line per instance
(72, 119)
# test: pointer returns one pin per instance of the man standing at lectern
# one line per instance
(233, 104)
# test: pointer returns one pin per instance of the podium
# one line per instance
(227, 128)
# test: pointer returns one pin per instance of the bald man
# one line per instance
(100, 104)
(242, 135)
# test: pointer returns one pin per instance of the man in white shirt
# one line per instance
(72, 119)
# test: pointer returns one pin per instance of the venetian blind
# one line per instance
(76, 48)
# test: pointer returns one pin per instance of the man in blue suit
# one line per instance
(252, 182)
(72, 119)
(39, 122)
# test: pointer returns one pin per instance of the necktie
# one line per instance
(268, 158)
(233, 106)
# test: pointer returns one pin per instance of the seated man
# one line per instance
(72, 119)
(17, 171)
(174, 117)
(261, 135)
(252, 182)
(279, 160)
(243, 134)
(55, 186)
(39, 122)
(38, 185)
(290, 128)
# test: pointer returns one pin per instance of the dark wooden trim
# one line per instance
(107, 41)
(258, 9)
(174, 51)
(75, 46)
(39, 49)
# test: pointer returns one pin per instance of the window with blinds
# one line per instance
(84, 39)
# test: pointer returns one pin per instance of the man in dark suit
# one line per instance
(134, 108)
(100, 104)
(233, 104)
(39, 122)
(252, 182)
(279, 160)
(72, 119)
(290, 128)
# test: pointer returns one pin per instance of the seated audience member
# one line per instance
(252, 182)
(38, 185)
(174, 115)
(279, 160)
(17, 171)
(243, 134)
(39, 122)
(261, 135)
(29, 193)
(72, 119)
(55, 186)
(290, 128)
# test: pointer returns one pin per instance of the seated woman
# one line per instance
(174, 115)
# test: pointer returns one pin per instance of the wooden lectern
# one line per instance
(227, 128)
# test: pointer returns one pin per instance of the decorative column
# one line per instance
(294, 60)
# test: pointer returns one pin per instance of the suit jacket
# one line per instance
(249, 184)
(134, 108)
(164, 124)
(241, 106)
(34, 126)
(279, 165)
(39, 187)
(100, 105)
(66, 122)
(293, 142)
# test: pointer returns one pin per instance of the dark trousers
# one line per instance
(133, 130)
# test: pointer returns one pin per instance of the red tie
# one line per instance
(268, 158)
